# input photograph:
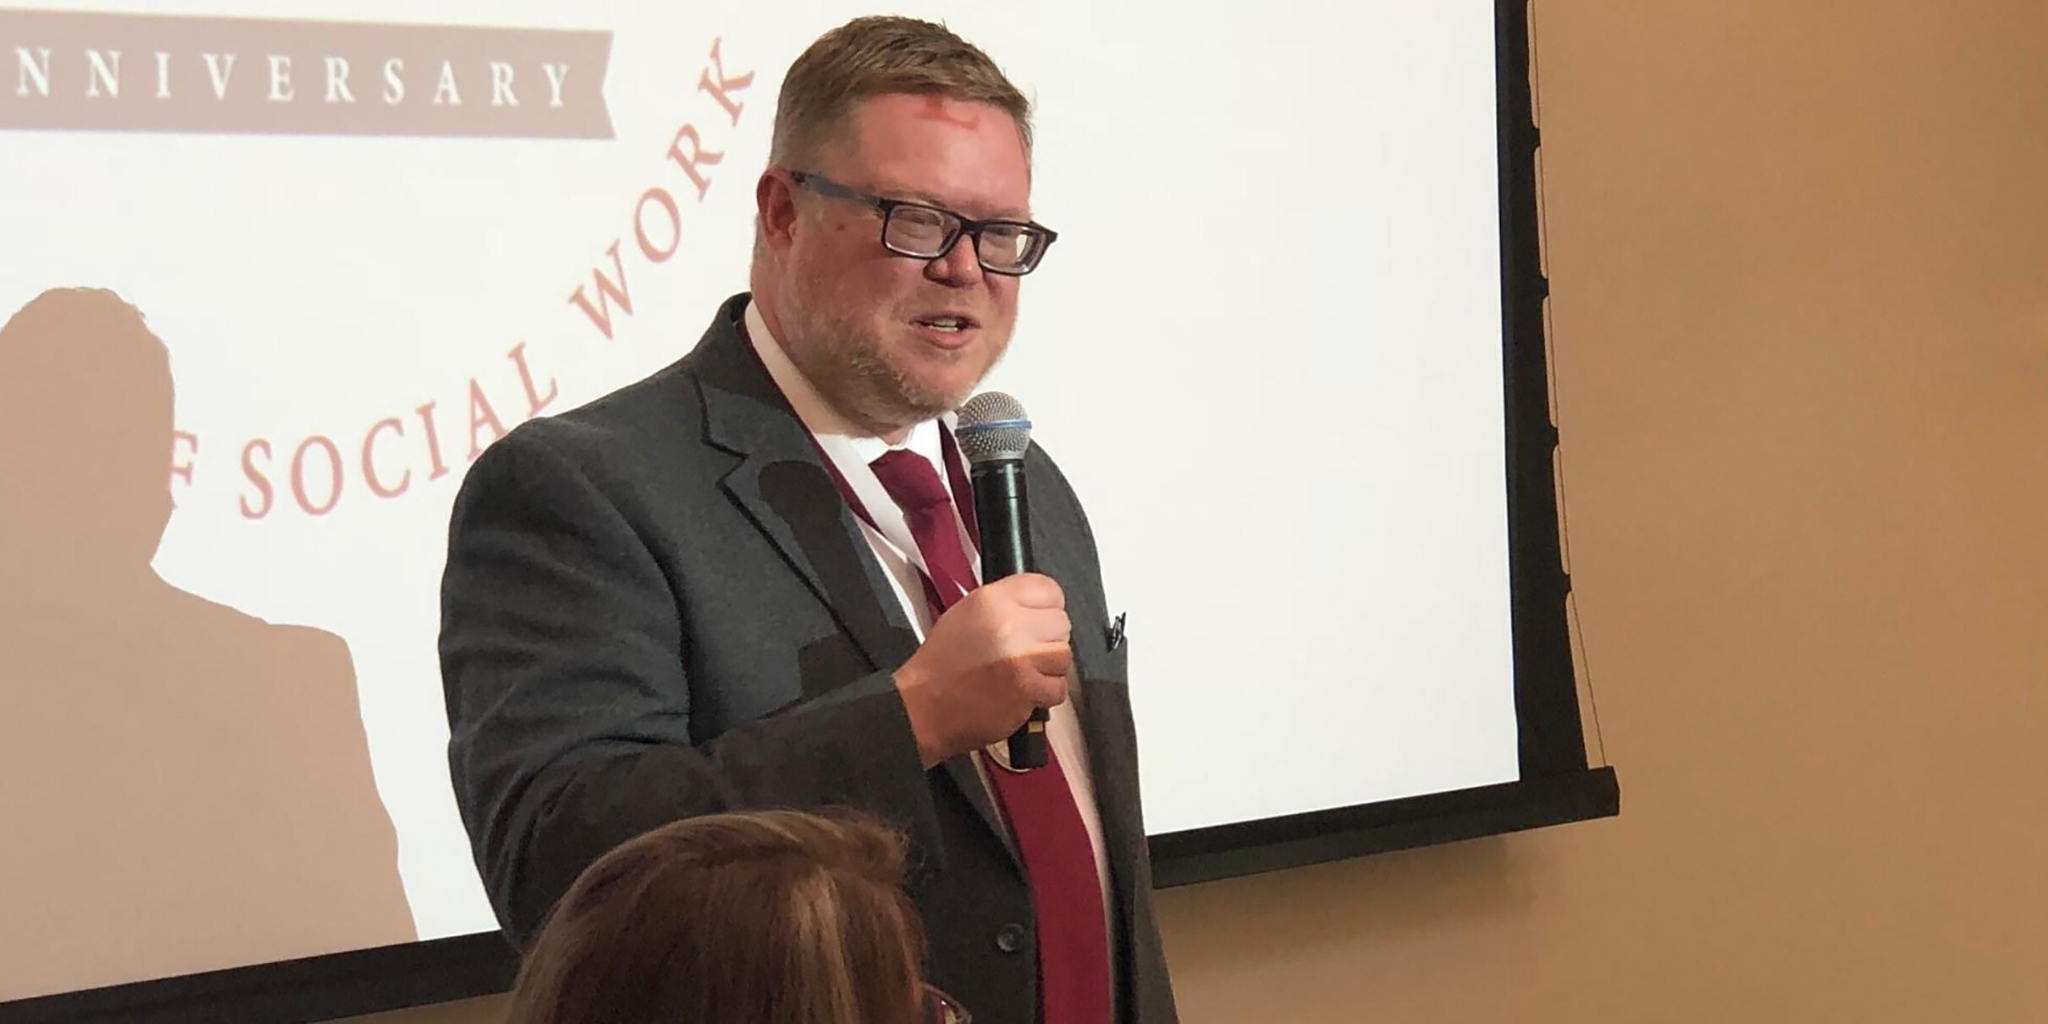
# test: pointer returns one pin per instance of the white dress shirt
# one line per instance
(852, 452)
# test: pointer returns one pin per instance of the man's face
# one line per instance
(890, 340)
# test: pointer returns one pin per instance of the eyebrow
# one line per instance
(926, 198)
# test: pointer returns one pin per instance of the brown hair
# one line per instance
(876, 56)
(770, 917)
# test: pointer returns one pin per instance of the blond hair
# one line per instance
(768, 917)
(876, 56)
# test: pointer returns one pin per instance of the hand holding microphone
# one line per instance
(1000, 657)
(992, 661)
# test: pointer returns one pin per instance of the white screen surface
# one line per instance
(1266, 349)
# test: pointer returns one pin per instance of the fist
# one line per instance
(989, 661)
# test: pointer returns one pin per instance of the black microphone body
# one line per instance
(1001, 512)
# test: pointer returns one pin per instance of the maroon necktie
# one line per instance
(1066, 891)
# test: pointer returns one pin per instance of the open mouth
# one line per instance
(946, 324)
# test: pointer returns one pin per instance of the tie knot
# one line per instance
(911, 481)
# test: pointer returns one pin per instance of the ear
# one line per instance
(775, 205)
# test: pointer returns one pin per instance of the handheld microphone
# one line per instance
(994, 434)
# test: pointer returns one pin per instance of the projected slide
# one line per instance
(276, 273)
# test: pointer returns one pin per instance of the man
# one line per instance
(706, 591)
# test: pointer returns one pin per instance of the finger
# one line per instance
(1047, 626)
(1049, 689)
(1050, 660)
(1032, 590)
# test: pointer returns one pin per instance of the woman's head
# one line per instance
(774, 917)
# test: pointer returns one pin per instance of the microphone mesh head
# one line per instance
(993, 427)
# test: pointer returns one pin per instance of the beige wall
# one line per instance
(1800, 261)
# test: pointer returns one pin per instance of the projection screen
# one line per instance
(322, 255)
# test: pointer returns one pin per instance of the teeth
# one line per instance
(945, 323)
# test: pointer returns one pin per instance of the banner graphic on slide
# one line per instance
(135, 72)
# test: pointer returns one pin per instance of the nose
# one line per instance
(957, 267)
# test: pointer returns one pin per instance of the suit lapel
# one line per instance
(968, 778)
(781, 483)
(782, 486)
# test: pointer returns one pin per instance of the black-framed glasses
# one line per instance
(925, 232)
(939, 1008)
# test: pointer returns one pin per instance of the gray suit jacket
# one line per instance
(658, 605)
